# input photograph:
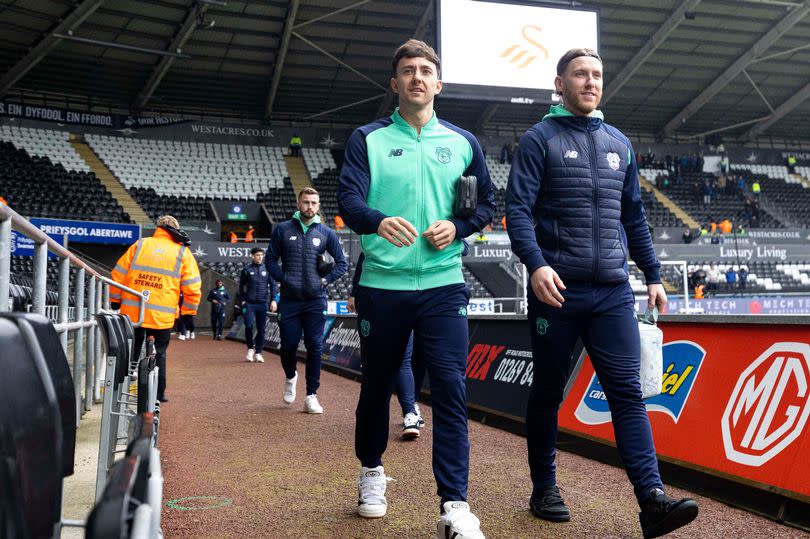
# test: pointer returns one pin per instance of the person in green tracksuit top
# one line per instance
(396, 190)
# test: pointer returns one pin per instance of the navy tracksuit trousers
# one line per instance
(603, 316)
(309, 316)
(405, 385)
(255, 317)
(438, 319)
(217, 319)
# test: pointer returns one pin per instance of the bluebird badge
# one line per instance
(682, 361)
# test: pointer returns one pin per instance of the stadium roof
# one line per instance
(673, 68)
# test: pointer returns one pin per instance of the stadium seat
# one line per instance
(114, 406)
(61, 378)
(115, 514)
(71, 194)
(31, 438)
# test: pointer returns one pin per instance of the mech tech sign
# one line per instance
(735, 403)
(769, 406)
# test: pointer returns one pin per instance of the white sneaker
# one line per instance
(312, 406)
(258, 358)
(289, 389)
(410, 426)
(371, 493)
(458, 522)
(193, 336)
(182, 337)
(188, 335)
(250, 354)
(419, 415)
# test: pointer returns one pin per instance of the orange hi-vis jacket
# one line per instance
(164, 268)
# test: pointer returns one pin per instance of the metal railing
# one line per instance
(90, 299)
(518, 304)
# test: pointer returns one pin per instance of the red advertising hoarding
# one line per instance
(735, 402)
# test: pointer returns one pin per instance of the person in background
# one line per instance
(249, 234)
(731, 278)
(714, 278)
(299, 243)
(340, 224)
(742, 276)
(256, 290)
(232, 237)
(791, 163)
(187, 321)
(687, 235)
(219, 298)
(163, 265)
(295, 145)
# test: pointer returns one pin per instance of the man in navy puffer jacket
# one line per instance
(298, 243)
(575, 214)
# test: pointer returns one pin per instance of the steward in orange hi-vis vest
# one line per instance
(164, 266)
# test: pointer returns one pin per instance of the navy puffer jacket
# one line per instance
(255, 284)
(573, 201)
(298, 251)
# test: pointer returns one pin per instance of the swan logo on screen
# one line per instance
(682, 360)
(523, 55)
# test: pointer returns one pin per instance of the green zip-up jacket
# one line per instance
(391, 171)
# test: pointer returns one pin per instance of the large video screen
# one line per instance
(508, 52)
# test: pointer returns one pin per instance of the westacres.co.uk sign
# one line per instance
(89, 231)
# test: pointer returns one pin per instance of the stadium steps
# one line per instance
(494, 278)
(670, 288)
(668, 203)
(299, 175)
(113, 185)
(802, 179)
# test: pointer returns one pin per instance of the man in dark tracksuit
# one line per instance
(574, 208)
(219, 298)
(256, 290)
(396, 189)
(298, 243)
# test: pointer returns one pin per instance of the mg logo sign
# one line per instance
(769, 406)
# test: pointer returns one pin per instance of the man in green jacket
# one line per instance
(397, 188)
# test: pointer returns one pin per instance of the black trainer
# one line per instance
(661, 514)
(549, 505)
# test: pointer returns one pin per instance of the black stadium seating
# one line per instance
(34, 186)
(689, 195)
(183, 208)
(326, 183)
(31, 432)
(21, 288)
(280, 202)
(112, 516)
